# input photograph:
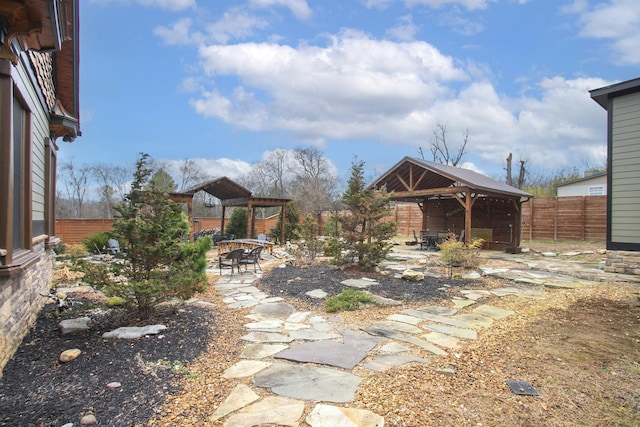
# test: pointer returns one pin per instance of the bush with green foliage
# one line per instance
(332, 248)
(366, 237)
(96, 243)
(455, 253)
(160, 263)
(348, 300)
(312, 244)
(238, 223)
(291, 224)
(332, 227)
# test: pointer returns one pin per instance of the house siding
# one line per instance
(582, 188)
(625, 169)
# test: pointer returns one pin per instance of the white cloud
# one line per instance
(469, 4)
(214, 168)
(235, 24)
(173, 5)
(177, 34)
(299, 8)
(405, 30)
(617, 21)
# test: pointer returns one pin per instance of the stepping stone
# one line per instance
(133, 332)
(406, 338)
(475, 321)
(462, 303)
(412, 320)
(385, 302)
(471, 275)
(443, 340)
(358, 283)
(493, 312)
(309, 383)
(317, 294)
(311, 335)
(330, 353)
(437, 318)
(288, 326)
(245, 368)
(453, 331)
(435, 309)
(475, 295)
(240, 397)
(243, 304)
(272, 299)
(266, 337)
(326, 415)
(508, 290)
(265, 324)
(272, 410)
(278, 310)
(364, 342)
(260, 351)
(299, 316)
(397, 326)
(394, 347)
(323, 327)
(388, 361)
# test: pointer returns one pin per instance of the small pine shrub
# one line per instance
(348, 300)
(96, 243)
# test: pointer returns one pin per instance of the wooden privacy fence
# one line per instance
(76, 230)
(553, 218)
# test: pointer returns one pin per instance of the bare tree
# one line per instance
(269, 177)
(441, 152)
(521, 174)
(75, 181)
(112, 185)
(191, 174)
(315, 184)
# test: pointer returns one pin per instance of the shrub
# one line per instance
(455, 253)
(291, 224)
(332, 248)
(348, 300)
(96, 243)
(238, 223)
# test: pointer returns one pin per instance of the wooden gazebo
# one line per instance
(232, 194)
(453, 199)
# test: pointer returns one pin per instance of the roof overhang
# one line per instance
(603, 94)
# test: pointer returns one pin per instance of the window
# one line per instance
(596, 190)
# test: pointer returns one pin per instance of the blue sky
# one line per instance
(224, 82)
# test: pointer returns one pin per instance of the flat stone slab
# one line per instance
(260, 351)
(278, 310)
(330, 353)
(397, 326)
(462, 303)
(273, 410)
(265, 324)
(443, 340)
(388, 361)
(240, 397)
(394, 347)
(309, 383)
(469, 334)
(475, 321)
(437, 318)
(298, 317)
(312, 335)
(133, 332)
(436, 309)
(406, 338)
(359, 340)
(266, 337)
(493, 312)
(326, 415)
(317, 294)
(245, 368)
(359, 283)
(405, 318)
(245, 303)
(380, 300)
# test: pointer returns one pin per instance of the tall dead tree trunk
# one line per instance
(509, 180)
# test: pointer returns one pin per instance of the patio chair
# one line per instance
(252, 257)
(113, 246)
(231, 260)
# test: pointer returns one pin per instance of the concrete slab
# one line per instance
(388, 361)
(330, 353)
(274, 410)
(245, 368)
(326, 415)
(493, 312)
(309, 383)
(260, 351)
(240, 397)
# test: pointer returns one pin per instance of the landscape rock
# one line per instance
(88, 420)
(413, 275)
(133, 332)
(78, 324)
(327, 415)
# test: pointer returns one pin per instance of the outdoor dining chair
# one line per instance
(231, 260)
(252, 257)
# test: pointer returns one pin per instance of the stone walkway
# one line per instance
(301, 357)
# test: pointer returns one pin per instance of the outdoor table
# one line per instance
(226, 246)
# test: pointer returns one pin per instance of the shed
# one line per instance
(232, 194)
(622, 102)
(453, 199)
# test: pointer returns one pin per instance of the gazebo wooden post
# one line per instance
(224, 210)
(467, 217)
(251, 224)
(424, 209)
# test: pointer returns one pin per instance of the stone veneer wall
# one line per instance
(626, 262)
(21, 300)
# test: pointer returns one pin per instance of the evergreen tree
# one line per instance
(238, 223)
(291, 224)
(366, 238)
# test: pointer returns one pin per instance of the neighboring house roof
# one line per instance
(602, 95)
(404, 177)
(586, 178)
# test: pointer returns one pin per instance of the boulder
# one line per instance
(413, 275)
(69, 355)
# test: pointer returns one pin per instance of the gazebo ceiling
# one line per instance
(222, 188)
(413, 178)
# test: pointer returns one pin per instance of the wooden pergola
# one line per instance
(454, 199)
(232, 194)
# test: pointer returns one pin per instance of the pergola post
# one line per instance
(224, 210)
(467, 217)
(284, 216)
(251, 223)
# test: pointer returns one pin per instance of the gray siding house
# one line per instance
(38, 108)
(594, 185)
(622, 102)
